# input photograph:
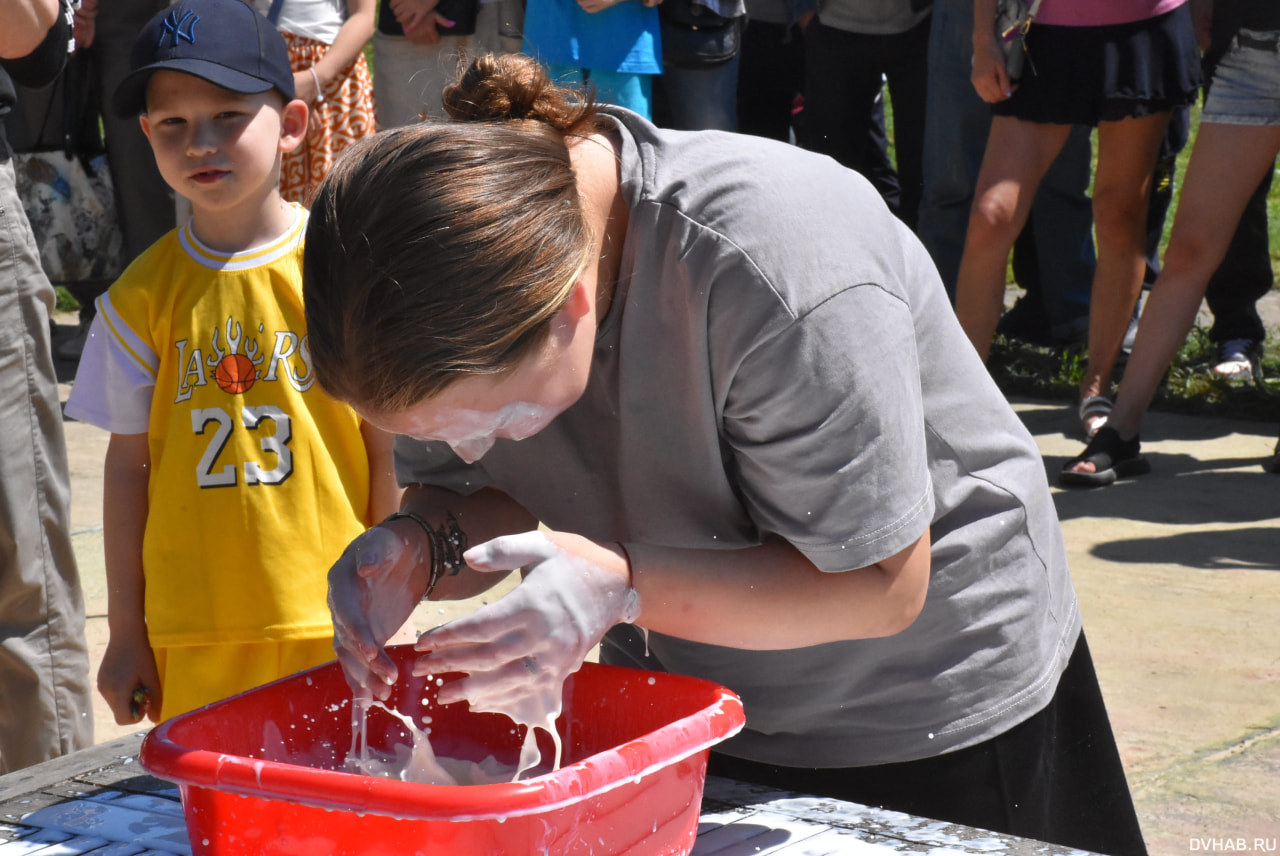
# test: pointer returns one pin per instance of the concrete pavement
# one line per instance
(1178, 574)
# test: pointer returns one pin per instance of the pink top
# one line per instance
(1099, 13)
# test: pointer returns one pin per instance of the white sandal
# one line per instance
(1094, 412)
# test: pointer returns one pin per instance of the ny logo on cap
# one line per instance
(173, 26)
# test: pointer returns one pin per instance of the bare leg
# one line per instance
(1226, 165)
(1127, 152)
(1017, 156)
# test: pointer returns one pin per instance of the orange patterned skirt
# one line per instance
(346, 115)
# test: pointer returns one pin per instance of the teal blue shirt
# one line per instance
(621, 38)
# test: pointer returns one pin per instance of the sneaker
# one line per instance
(1239, 359)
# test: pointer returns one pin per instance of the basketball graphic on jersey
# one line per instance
(235, 373)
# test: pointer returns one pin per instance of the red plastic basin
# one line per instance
(260, 773)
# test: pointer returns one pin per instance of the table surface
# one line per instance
(101, 802)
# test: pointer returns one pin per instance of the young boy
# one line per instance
(232, 481)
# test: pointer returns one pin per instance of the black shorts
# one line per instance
(1087, 75)
(1056, 777)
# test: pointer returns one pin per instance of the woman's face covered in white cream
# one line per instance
(471, 433)
(470, 414)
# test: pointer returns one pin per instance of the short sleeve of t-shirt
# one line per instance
(116, 378)
(827, 430)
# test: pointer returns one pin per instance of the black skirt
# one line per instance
(1087, 75)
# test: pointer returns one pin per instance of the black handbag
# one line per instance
(694, 36)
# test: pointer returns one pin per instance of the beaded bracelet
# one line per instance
(448, 543)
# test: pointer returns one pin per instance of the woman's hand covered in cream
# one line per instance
(518, 651)
(373, 589)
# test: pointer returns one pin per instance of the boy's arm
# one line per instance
(128, 664)
(384, 493)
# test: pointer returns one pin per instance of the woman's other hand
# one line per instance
(518, 651)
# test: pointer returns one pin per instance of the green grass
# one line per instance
(1190, 386)
(65, 302)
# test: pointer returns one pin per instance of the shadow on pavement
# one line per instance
(1062, 422)
(1252, 549)
(1181, 491)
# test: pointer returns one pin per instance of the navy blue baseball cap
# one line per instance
(226, 42)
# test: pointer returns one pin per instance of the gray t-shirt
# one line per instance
(780, 361)
(874, 17)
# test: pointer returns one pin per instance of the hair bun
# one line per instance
(505, 87)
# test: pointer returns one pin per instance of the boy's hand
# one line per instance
(373, 589)
(129, 681)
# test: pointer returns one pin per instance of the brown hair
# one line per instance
(443, 249)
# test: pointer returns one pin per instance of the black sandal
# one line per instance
(1112, 458)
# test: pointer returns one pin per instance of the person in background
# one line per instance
(144, 202)
(1236, 146)
(770, 71)
(1053, 256)
(1122, 65)
(1244, 276)
(326, 40)
(771, 97)
(66, 116)
(749, 423)
(612, 44)
(198, 365)
(698, 90)
(851, 47)
(1242, 279)
(417, 53)
(45, 699)
(104, 32)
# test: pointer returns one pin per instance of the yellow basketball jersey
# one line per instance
(259, 478)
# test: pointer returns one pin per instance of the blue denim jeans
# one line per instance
(702, 99)
(1246, 82)
(957, 123)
